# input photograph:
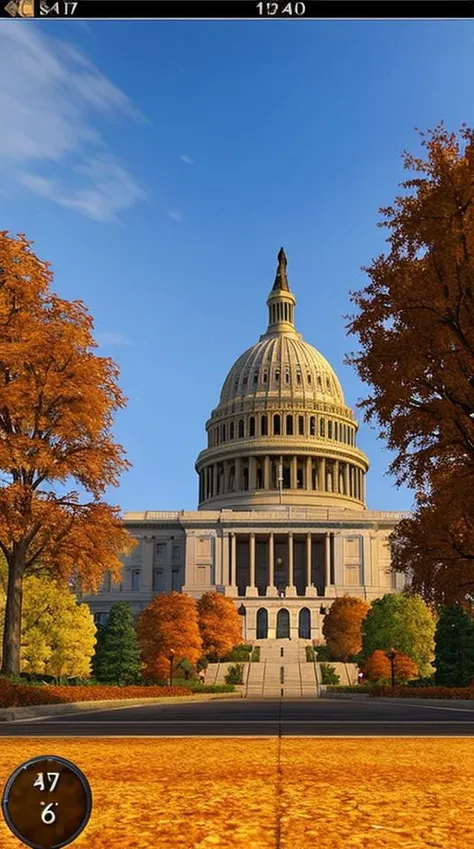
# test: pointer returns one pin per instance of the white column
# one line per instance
(310, 589)
(309, 475)
(271, 588)
(335, 476)
(266, 473)
(346, 479)
(327, 558)
(293, 472)
(291, 589)
(233, 565)
(238, 475)
(252, 473)
(214, 479)
(251, 590)
(322, 475)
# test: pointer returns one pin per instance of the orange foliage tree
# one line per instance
(378, 667)
(57, 399)
(219, 623)
(342, 626)
(415, 327)
(168, 622)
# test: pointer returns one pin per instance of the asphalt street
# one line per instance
(257, 718)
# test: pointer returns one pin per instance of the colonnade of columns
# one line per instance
(299, 473)
(288, 586)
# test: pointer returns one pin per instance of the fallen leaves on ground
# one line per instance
(200, 793)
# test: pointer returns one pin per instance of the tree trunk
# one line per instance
(12, 627)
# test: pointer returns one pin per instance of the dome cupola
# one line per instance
(281, 433)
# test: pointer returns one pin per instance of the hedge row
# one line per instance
(22, 695)
(423, 692)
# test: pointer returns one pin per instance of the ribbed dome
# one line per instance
(282, 366)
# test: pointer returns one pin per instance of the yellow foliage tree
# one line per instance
(168, 623)
(219, 623)
(57, 400)
(57, 633)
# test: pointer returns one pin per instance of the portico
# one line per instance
(278, 564)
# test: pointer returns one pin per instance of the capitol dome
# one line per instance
(281, 433)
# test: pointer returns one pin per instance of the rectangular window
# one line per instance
(158, 580)
(160, 550)
(100, 618)
(136, 573)
(176, 552)
(176, 580)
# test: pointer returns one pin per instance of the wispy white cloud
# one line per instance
(51, 98)
(118, 340)
(175, 214)
(187, 159)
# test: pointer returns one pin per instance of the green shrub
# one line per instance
(213, 688)
(322, 652)
(235, 674)
(255, 656)
(310, 654)
(329, 674)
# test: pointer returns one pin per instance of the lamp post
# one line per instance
(171, 659)
(391, 656)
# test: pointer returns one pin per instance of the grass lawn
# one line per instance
(333, 793)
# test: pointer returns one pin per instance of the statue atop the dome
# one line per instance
(281, 280)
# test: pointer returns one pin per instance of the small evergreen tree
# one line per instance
(99, 636)
(454, 653)
(118, 655)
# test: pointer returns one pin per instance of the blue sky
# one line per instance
(159, 166)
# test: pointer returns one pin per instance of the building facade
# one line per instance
(282, 525)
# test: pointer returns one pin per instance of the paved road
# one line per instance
(243, 718)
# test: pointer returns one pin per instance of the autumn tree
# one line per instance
(403, 622)
(168, 622)
(378, 667)
(342, 627)
(415, 327)
(58, 633)
(118, 654)
(454, 654)
(57, 400)
(219, 623)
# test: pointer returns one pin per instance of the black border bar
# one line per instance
(238, 9)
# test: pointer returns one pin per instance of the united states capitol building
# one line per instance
(282, 525)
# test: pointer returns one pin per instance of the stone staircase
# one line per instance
(283, 671)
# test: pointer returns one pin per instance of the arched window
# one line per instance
(252, 426)
(265, 376)
(223, 432)
(241, 428)
(262, 624)
(276, 424)
(289, 425)
(255, 377)
(301, 425)
(336, 429)
(304, 624)
(309, 378)
(329, 430)
(264, 425)
(244, 381)
(287, 376)
(277, 375)
(312, 426)
(231, 430)
(298, 377)
(322, 428)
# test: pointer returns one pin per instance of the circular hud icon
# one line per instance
(47, 802)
